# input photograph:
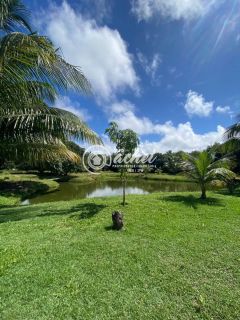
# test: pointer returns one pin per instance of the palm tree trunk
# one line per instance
(203, 195)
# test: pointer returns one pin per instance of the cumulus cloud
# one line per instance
(182, 137)
(128, 120)
(100, 51)
(175, 138)
(67, 104)
(197, 105)
(121, 107)
(123, 113)
(223, 110)
(150, 66)
(173, 9)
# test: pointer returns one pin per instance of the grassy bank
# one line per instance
(178, 258)
(87, 177)
(16, 187)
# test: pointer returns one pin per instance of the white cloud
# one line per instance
(197, 105)
(182, 137)
(223, 110)
(123, 113)
(121, 107)
(67, 104)
(173, 9)
(175, 138)
(100, 51)
(150, 66)
(128, 120)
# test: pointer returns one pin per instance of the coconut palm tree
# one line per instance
(32, 74)
(202, 169)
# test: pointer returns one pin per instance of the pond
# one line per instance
(75, 190)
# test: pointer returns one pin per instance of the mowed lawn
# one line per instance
(178, 258)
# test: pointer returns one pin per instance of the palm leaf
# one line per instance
(13, 14)
(221, 174)
(19, 94)
(32, 73)
(43, 121)
(36, 152)
(204, 169)
(32, 57)
(233, 131)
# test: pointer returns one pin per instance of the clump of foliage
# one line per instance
(169, 162)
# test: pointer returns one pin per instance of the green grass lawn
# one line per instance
(178, 258)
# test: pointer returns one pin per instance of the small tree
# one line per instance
(126, 143)
(203, 169)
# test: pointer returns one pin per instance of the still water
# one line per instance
(75, 190)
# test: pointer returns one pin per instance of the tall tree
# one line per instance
(126, 143)
(32, 74)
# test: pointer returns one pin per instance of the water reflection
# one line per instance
(75, 190)
(108, 191)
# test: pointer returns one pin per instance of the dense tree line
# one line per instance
(168, 163)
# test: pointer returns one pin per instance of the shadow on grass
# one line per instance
(109, 228)
(194, 202)
(81, 211)
(225, 192)
(21, 189)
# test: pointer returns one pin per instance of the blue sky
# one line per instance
(168, 69)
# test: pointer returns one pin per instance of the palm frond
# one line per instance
(33, 57)
(203, 168)
(223, 163)
(231, 145)
(222, 174)
(43, 121)
(197, 167)
(33, 73)
(233, 132)
(16, 95)
(36, 152)
(13, 14)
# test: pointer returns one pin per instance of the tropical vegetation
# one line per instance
(203, 169)
(32, 74)
(178, 256)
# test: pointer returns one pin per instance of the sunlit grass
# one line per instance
(177, 258)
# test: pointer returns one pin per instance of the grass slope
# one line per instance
(16, 187)
(178, 258)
